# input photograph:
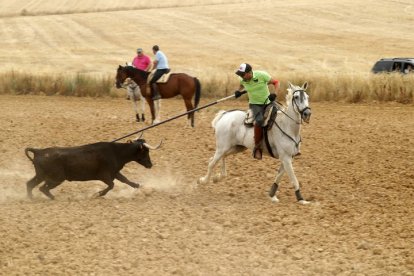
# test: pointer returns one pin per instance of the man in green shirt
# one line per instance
(256, 84)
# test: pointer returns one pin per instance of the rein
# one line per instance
(298, 123)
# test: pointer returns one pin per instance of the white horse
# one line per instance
(232, 136)
(134, 94)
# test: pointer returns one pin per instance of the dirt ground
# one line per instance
(356, 167)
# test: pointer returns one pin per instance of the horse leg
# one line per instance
(223, 172)
(151, 105)
(189, 106)
(287, 164)
(275, 186)
(213, 161)
(157, 113)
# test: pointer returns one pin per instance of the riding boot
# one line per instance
(155, 92)
(258, 134)
(137, 117)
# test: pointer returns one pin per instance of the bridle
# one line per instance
(296, 107)
(295, 104)
(120, 84)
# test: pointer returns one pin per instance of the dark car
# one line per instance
(401, 65)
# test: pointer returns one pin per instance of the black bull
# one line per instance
(99, 161)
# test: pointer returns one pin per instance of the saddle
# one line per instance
(164, 78)
(269, 115)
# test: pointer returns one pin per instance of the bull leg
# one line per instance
(48, 186)
(110, 184)
(125, 180)
(31, 184)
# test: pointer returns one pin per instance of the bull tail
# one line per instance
(26, 151)
(197, 92)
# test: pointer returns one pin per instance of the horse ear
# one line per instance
(305, 86)
(126, 63)
(119, 67)
(290, 85)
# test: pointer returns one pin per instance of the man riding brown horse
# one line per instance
(178, 84)
(161, 66)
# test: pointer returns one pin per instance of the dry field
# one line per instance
(205, 38)
(356, 168)
(356, 163)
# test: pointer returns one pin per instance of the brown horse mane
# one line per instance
(132, 71)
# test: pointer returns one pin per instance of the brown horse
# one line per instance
(178, 84)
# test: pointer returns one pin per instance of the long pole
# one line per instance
(177, 116)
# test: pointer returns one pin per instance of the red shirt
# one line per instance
(141, 62)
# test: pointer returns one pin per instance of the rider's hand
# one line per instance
(272, 97)
(237, 93)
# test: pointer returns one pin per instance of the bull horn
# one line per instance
(136, 139)
(152, 147)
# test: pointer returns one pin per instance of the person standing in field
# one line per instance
(162, 67)
(256, 85)
(142, 61)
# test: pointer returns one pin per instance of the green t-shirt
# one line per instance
(257, 88)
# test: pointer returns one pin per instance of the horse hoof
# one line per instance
(304, 202)
(274, 199)
(201, 180)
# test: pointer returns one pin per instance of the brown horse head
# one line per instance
(124, 72)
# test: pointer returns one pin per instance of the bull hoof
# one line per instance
(135, 185)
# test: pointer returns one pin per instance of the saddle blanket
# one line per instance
(164, 78)
(269, 116)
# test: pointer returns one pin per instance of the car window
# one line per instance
(382, 66)
(396, 66)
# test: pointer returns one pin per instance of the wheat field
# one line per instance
(204, 38)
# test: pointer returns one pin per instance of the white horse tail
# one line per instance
(217, 118)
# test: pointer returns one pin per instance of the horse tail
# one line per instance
(197, 92)
(217, 118)
(26, 151)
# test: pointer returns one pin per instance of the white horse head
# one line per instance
(232, 136)
(298, 97)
